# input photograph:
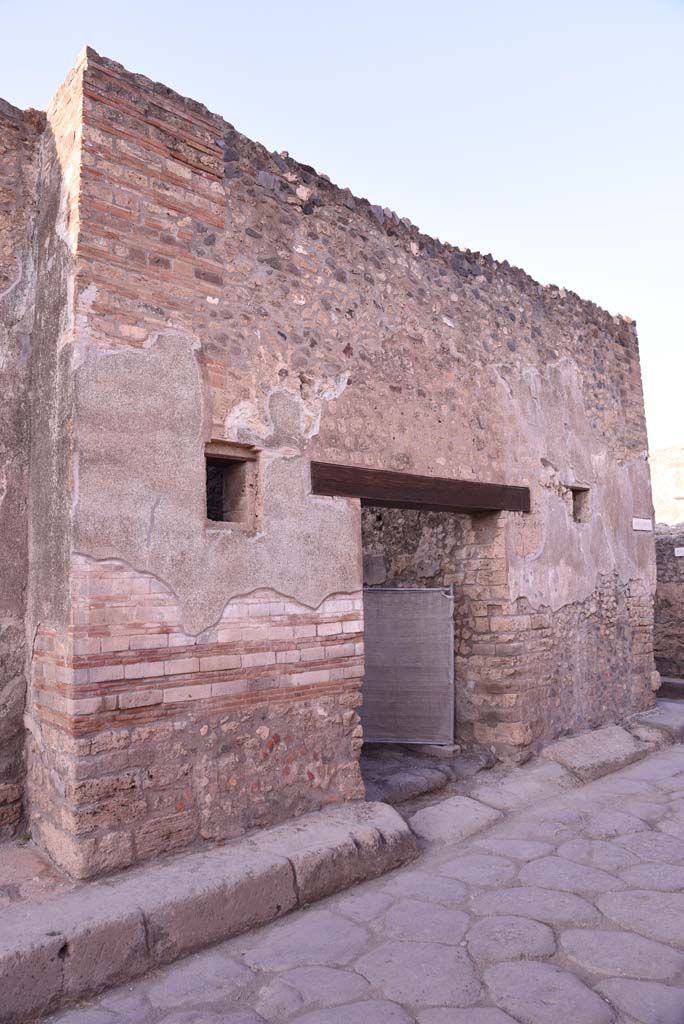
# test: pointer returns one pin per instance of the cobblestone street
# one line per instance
(573, 910)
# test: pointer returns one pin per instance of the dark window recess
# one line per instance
(581, 505)
(230, 490)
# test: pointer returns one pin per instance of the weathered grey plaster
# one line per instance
(555, 561)
(19, 143)
(141, 425)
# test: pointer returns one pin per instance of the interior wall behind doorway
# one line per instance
(408, 548)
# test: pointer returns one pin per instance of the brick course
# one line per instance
(144, 752)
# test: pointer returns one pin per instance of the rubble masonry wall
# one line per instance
(193, 680)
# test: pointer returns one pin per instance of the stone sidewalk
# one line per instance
(572, 910)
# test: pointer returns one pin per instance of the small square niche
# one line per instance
(231, 483)
(581, 503)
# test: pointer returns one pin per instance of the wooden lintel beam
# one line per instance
(408, 490)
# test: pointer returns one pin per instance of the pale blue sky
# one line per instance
(548, 134)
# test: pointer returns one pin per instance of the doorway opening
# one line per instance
(435, 579)
(413, 569)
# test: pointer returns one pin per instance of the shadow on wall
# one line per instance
(20, 133)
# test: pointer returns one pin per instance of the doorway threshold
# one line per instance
(394, 773)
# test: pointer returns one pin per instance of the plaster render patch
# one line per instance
(286, 415)
(554, 566)
(144, 450)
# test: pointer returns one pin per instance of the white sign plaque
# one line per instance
(679, 552)
(642, 524)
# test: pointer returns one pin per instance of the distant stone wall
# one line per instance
(19, 140)
(152, 739)
(669, 608)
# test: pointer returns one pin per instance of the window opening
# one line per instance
(230, 483)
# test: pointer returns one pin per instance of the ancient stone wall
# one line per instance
(19, 144)
(669, 607)
(155, 738)
(573, 678)
(208, 290)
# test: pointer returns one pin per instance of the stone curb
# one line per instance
(117, 929)
(566, 764)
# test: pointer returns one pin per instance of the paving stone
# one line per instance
(645, 1001)
(520, 787)
(609, 824)
(415, 921)
(655, 738)
(593, 754)
(654, 846)
(554, 825)
(510, 938)
(193, 979)
(474, 1015)
(675, 807)
(479, 869)
(210, 1017)
(657, 915)
(452, 820)
(672, 827)
(128, 1002)
(671, 786)
(663, 877)
(560, 873)
(311, 937)
(423, 886)
(542, 994)
(667, 717)
(624, 784)
(421, 973)
(326, 984)
(546, 905)
(86, 1015)
(361, 906)
(406, 784)
(420, 917)
(659, 767)
(375, 1011)
(519, 849)
(648, 810)
(276, 1001)
(621, 953)
(241, 1017)
(597, 854)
